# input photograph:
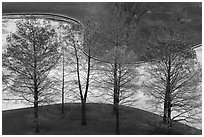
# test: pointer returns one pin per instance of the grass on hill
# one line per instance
(100, 121)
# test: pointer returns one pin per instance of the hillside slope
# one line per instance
(100, 121)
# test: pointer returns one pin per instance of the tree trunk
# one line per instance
(83, 120)
(115, 86)
(167, 93)
(169, 114)
(168, 101)
(62, 102)
(63, 83)
(167, 107)
(117, 127)
(114, 101)
(36, 113)
(165, 111)
(37, 130)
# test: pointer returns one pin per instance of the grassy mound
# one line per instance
(100, 121)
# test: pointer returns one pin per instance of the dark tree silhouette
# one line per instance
(117, 36)
(81, 42)
(175, 76)
(30, 55)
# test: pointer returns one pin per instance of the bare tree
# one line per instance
(30, 55)
(82, 45)
(117, 35)
(119, 78)
(174, 76)
(127, 77)
(62, 71)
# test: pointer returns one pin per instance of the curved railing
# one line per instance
(51, 16)
(63, 18)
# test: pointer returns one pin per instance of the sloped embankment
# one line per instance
(100, 121)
